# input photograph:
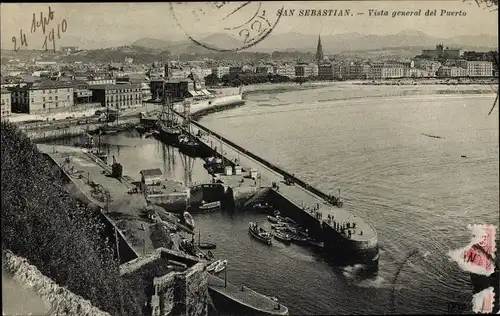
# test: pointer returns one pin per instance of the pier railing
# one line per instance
(265, 162)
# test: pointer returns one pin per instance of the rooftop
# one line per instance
(151, 172)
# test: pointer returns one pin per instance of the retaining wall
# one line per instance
(58, 299)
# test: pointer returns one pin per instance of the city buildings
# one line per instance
(117, 96)
(42, 96)
(477, 68)
(220, 71)
(5, 103)
(441, 52)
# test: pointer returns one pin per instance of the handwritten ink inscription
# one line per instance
(42, 23)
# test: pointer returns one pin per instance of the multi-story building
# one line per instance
(386, 71)
(314, 69)
(42, 96)
(451, 72)
(221, 71)
(248, 68)
(477, 68)
(428, 65)
(101, 81)
(287, 70)
(359, 71)
(81, 92)
(5, 103)
(303, 70)
(325, 71)
(117, 96)
(177, 88)
(418, 73)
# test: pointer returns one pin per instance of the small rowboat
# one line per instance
(272, 219)
(212, 206)
(213, 265)
(207, 245)
(221, 266)
(283, 237)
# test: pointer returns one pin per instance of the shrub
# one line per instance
(42, 223)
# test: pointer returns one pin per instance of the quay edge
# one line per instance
(250, 303)
(362, 247)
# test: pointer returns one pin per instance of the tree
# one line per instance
(63, 239)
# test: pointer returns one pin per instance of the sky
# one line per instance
(94, 25)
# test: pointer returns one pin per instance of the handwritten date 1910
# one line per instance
(51, 37)
(42, 24)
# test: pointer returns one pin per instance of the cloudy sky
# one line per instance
(93, 25)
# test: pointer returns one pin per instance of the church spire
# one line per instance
(319, 50)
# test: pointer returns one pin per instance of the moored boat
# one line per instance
(189, 220)
(221, 266)
(283, 237)
(213, 265)
(211, 206)
(263, 208)
(207, 245)
(272, 219)
(259, 233)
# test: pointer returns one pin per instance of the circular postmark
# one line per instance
(244, 24)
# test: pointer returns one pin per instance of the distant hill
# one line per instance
(331, 43)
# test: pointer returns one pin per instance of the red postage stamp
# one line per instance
(478, 257)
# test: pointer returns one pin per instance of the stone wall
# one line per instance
(176, 293)
(59, 300)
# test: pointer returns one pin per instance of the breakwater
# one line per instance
(342, 232)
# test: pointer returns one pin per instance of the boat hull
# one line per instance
(257, 236)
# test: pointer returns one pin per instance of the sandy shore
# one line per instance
(444, 85)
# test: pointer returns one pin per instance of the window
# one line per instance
(50, 98)
(32, 99)
(43, 99)
(57, 104)
(57, 97)
(68, 90)
(68, 97)
(44, 105)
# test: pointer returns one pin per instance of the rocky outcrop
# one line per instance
(58, 300)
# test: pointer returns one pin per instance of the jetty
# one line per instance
(340, 229)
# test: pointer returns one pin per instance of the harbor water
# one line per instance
(380, 147)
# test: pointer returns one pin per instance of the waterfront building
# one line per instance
(117, 96)
(42, 96)
(477, 68)
(451, 72)
(325, 71)
(81, 92)
(386, 70)
(425, 64)
(359, 71)
(303, 70)
(418, 73)
(5, 103)
(287, 70)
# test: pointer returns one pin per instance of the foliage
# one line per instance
(160, 237)
(42, 223)
(236, 80)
